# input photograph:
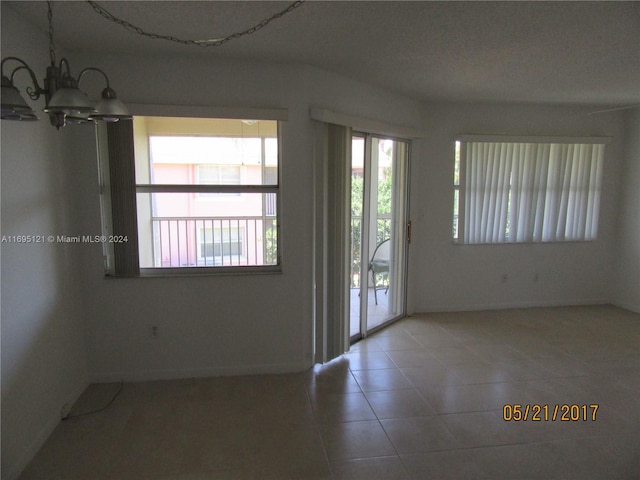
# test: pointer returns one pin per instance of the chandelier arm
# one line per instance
(64, 62)
(93, 69)
(214, 42)
(34, 91)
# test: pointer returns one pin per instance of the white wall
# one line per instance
(627, 287)
(218, 325)
(445, 276)
(43, 351)
(230, 324)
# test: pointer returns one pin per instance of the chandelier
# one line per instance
(65, 103)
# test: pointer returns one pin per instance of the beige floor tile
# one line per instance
(347, 407)
(333, 382)
(419, 434)
(430, 376)
(387, 379)
(422, 399)
(444, 465)
(607, 423)
(608, 393)
(381, 468)
(616, 457)
(436, 339)
(454, 355)
(522, 370)
(398, 404)
(533, 461)
(472, 398)
(142, 453)
(292, 452)
(365, 346)
(242, 473)
(355, 440)
(402, 341)
(413, 358)
(366, 360)
(476, 373)
(481, 429)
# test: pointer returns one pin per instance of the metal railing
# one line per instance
(211, 241)
(383, 232)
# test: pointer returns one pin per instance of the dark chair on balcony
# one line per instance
(379, 265)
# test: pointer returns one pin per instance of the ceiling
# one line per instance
(557, 52)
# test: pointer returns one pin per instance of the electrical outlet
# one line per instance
(504, 278)
(154, 331)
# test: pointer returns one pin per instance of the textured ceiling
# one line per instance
(559, 52)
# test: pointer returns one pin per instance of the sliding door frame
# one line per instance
(403, 229)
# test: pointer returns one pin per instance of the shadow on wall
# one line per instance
(43, 352)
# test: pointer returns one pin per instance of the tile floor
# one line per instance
(377, 314)
(422, 399)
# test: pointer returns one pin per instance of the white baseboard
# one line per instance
(175, 374)
(627, 306)
(509, 305)
(41, 438)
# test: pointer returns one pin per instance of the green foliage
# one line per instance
(271, 243)
(357, 194)
(384, 192)
(383, 225)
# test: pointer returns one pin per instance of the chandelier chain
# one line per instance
(52, 45)
(214, 42)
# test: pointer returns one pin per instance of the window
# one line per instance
(534, 190)
(204, 194)
(218, 175)
(221, 244)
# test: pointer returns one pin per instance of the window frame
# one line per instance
(206, 233)
(212, 197)
(106, 179)
(459, 187)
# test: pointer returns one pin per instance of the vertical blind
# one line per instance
(121, 161)
(530, 192)
(332, 153)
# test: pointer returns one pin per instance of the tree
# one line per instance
(383, 225)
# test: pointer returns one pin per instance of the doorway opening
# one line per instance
(378, 239)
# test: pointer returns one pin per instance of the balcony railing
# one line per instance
(383, 232)
(209, 241)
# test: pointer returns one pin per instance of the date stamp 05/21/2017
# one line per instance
(549, 413)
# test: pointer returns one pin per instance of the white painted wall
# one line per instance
(231, 324)
(627, 291)
(43, 351)
(445, 276)
(237, 324)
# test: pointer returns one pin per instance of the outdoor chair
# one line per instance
(379, 265)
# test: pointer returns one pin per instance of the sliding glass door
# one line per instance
(379, 232)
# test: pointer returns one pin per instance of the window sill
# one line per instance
(537, 242)
(205, 271)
